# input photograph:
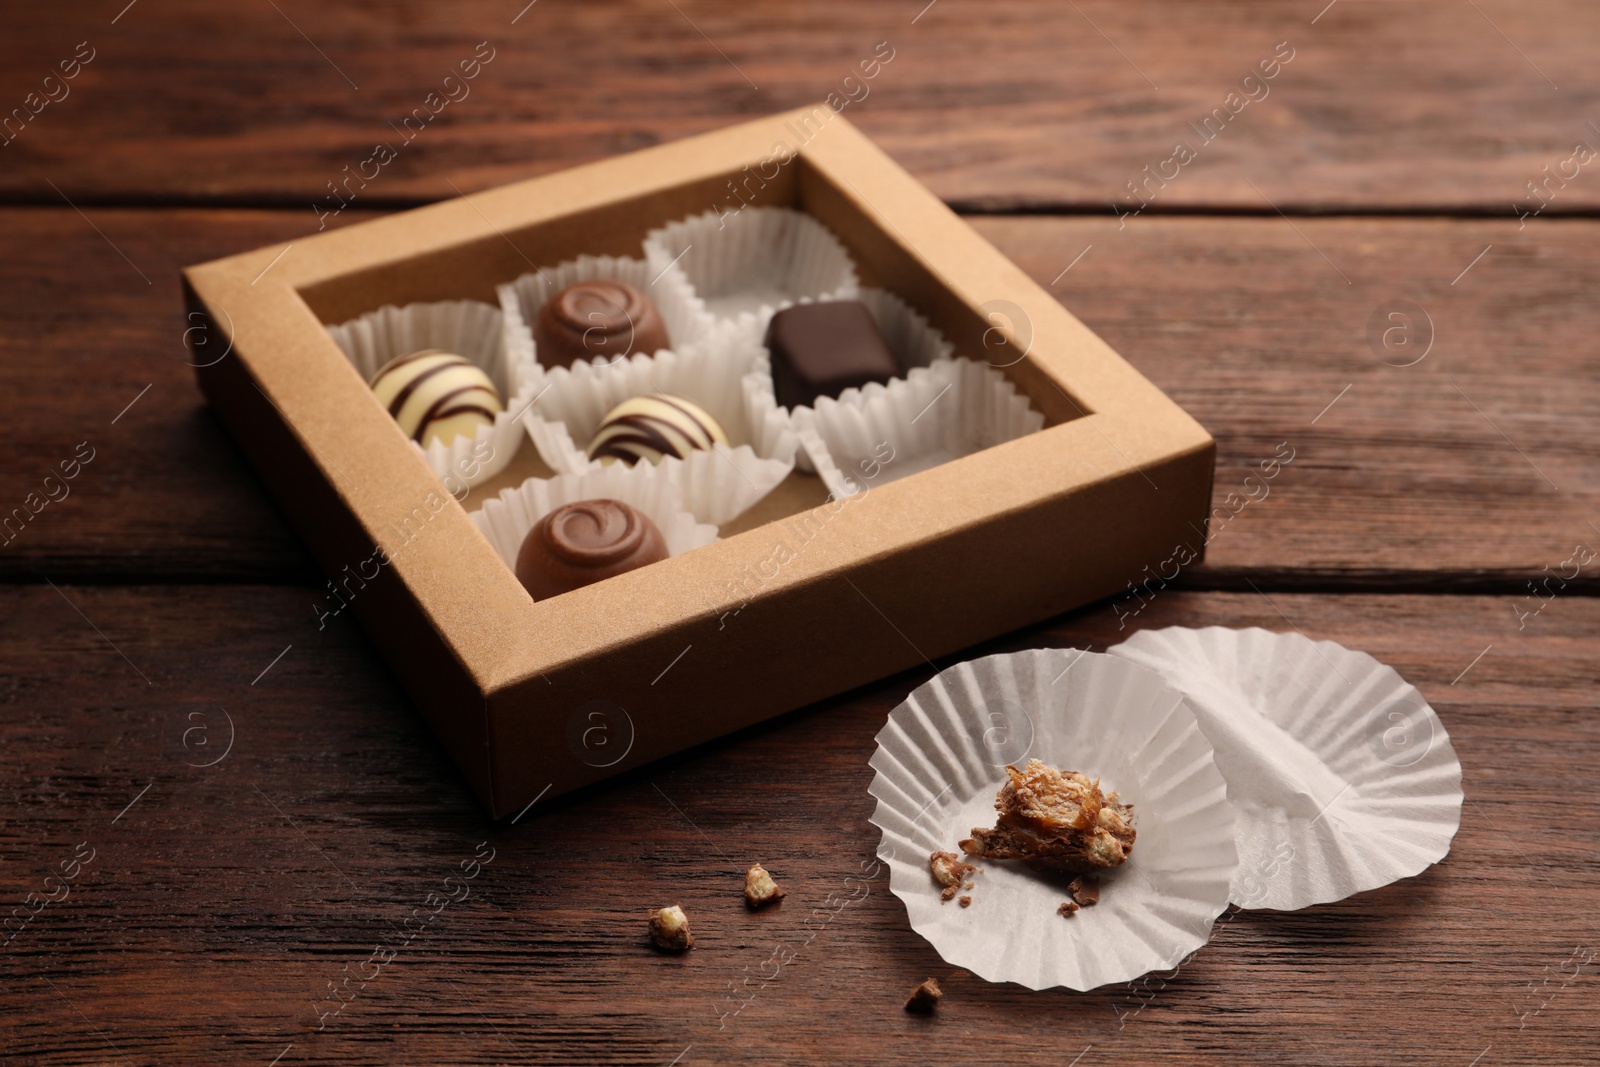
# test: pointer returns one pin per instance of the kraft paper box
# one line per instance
(540, 698)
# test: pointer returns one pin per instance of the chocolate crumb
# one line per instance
(924, 998)
(966, 902)
(1066, 909)
(949, 871)
(759, 888)
(1055, 821)
(669, 930)
(1085, 890)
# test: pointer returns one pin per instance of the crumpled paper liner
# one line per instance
(520, 301)
(734, 387)
(743, 266)
(933, 415)
(506, 519)
(1344, 777)
(468, 328)
(941, 759)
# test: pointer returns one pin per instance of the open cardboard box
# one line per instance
(798, 601)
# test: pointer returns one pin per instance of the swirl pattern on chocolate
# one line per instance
(653, 427)
(582, 543)
(597, 318)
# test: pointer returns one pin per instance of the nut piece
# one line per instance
(759, 888)
(669, 929)
(1066, 909)
(924, 998)
(1085, 890)
(949, 871)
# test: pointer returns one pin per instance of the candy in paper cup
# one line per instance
(941, 759)
(470, 329)
(931, 416)
(1344, 777)
(506, 519)
(914, 340)
(744, 265)
(683, 316)
(730, 382)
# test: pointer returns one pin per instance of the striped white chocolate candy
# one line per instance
(436, 395)
(652, 427)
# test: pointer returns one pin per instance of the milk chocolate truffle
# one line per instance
(598, 318)
(824, 349)
(653, 427)
(436, 395)
(582, 543)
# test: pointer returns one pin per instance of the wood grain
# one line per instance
(1473, 468)
(222, 900)
(1426, 106)
(262, 805)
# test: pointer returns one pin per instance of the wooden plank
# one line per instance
(1468, 458)
(223, 900)
(1018, 104)
(1432, 474)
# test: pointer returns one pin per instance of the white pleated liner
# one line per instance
(914, 341)
(733, 385)
(506, 519)
(744, 266)
(940, 761)
(682, 314)
(1344, 777)
(468, 328)
(933, 415)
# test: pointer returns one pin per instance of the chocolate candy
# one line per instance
(824, 349)
(602, 317)
(653, 427)
(580, 544)
(436, 395)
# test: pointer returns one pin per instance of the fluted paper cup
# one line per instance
(914, 341)
(520, 300)
(470, 329)
(506, 519)
(1344, 777)
(732, 384)
(931, 416)
(743, 266)
(941, 759)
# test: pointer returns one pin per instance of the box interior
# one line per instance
(471, 269)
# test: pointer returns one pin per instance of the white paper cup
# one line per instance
(931, 416)
(506, 519)
(1344, 777)
(468, 328)
(941, 759)
(733, 385)
(908, 335)
(520, 301)
(914, 340)
(743, 266)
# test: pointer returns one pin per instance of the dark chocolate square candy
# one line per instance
(824, 349)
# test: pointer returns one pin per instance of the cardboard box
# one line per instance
(534, 699)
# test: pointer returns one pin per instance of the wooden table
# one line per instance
(221, 893)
